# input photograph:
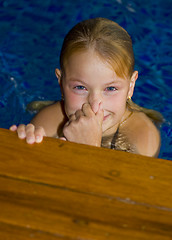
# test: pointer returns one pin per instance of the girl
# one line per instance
(97, 80)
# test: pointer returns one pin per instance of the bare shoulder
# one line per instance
(51, 118)
(144, 135)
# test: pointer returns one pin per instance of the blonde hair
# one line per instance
(107, 38)
(112, 43)
(155, 116)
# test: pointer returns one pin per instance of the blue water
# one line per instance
(31, 35)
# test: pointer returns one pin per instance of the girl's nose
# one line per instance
(94, 101)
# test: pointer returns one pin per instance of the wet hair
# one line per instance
(109, 40)
(113, 44)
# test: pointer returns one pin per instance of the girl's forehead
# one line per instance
(90, 71)
(87, 58)
(90, 52)
(87, 61)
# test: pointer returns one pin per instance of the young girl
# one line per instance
(97, 80)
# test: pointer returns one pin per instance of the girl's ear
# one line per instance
(132, 83)
(58, 75)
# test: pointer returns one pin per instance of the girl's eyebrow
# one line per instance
(114, 82)
(118, 82)
(76, 80)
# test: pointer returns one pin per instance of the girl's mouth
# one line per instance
(105, 117)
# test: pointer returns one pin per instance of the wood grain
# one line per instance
(63, 190)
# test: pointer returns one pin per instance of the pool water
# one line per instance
(31, 35)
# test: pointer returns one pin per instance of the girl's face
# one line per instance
(89, 79)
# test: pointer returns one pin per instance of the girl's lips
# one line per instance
(105, 117)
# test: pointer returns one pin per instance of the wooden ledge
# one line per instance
(62, 190)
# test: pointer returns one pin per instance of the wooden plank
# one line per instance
(64, 212)
(62, 190)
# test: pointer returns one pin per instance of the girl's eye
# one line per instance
(80, 87)
(110, 89)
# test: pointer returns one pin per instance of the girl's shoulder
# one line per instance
(51, 118)
(143, 134)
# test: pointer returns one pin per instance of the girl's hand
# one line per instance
(29, 132)
(85, 126)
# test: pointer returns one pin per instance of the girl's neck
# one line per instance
(125, 117)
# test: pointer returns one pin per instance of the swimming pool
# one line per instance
(31, 37)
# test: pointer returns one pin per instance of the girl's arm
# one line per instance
(149, 142)
(144, 135)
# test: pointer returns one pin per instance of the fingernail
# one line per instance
(38, 139)
(13, 128)
(22, 135)
(30, 140)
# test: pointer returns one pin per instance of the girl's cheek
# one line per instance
(110, 102)
(76, 100)
(73, 103)
(114, 103)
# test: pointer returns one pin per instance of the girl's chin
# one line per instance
(109, 127)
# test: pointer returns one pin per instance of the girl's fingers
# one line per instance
(79, 113)
(63, 138)
(30, 133)
(13, 128)
(71, 119)
(39, 134)
(87, 111)
(21, 131)
(100, 113)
